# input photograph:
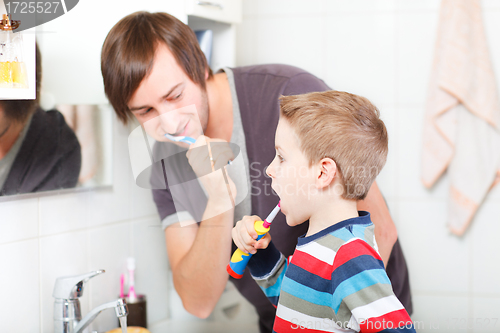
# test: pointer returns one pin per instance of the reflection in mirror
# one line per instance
(38, 152)
(66, 147)
(92, 126)
(52, 150)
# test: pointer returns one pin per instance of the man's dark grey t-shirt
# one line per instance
(257, 90)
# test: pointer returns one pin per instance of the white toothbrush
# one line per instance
(131, 284)
(185, 139)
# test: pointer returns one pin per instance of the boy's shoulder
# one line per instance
(352, 235)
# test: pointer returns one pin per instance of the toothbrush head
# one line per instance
(185, 139)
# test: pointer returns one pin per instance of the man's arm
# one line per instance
(198, 256)
(385, 230)
(199, 253)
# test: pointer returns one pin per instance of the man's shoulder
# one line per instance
(273, 80)
(48, 131)
(277, 70)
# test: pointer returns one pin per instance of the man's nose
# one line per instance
(169, 120)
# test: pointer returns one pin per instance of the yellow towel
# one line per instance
(462, 120)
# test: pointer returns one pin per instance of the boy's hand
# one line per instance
(244, 235)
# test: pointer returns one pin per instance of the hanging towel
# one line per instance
(462, 117)
(82, 119)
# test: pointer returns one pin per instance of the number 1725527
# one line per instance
(31, 7)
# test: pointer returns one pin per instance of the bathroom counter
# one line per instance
(203, 327)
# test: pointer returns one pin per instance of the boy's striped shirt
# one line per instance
(334, 282)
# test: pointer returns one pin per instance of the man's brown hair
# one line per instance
(129, 49)
(344, 127)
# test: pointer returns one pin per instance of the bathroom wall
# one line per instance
(42, 238)
(383, 50)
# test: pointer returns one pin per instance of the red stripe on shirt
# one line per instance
(312, 264)
(390, 320)
(284, 326)
(352, 250)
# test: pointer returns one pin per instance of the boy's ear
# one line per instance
(327, 173)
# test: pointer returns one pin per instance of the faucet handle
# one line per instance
(71, 287)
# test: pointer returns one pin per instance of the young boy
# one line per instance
(330, 146)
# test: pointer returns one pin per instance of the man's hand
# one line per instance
(244, 235)
(206, 156)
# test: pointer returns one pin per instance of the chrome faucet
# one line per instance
(67, 312)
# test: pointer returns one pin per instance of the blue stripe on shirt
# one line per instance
(353, 267)
(343, 234)
(300, 275)
(306, 293)
(357, 283)
(274, 290)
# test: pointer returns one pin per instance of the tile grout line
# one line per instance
(395, 116)
(270, 16)
(90, 304)
(324, 17)
(89, 266)
(254, 41)
(254, 38)
(40, 320)
(138, 219)
(131, 249)
(471, 281)
(102, 226)
(434, 293)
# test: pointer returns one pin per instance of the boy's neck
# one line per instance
(331, 213)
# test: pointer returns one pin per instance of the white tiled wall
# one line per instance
(44, 238)
(383, 49)
(59, 235)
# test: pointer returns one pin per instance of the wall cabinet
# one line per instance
(71, 44)
(228, 11)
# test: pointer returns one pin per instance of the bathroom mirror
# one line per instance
(67, 147)
(92, 125)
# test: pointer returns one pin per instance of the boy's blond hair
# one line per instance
(344, 127)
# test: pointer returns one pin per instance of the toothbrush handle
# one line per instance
(239, 259)
(189, 140)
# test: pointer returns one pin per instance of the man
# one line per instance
(38, 151)
(154, 70)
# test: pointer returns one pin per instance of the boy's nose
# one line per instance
(270, 169)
